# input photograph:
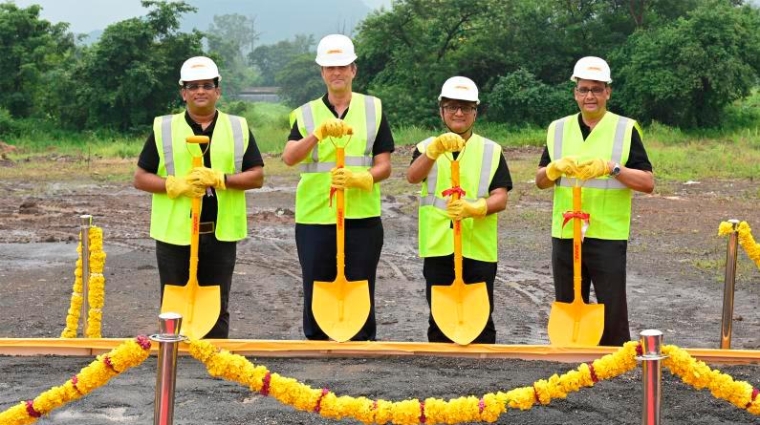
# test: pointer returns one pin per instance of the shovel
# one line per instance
(340, 307)
(576, 324)
(199, 306)
(460, 310)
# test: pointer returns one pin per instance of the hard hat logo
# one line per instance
(335, 50)
(460, 88)
(198, 68)
(591, 68)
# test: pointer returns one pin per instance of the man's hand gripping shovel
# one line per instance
(340, 307)
(460, 310)
(576, 323)
(198, 305)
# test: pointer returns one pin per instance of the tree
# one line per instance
(520, 98)
(300, 81)
(130, 75)
(685, 73)
(270, 60)
(30, 48)
(230, 38)
(406, 54)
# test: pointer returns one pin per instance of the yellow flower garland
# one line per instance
(489, 407)
(95, 288)
(697, 374)
(745, 239)
(127, 355)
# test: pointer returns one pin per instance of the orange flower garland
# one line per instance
(95, 287)
(745, 239)
(489, 407)
(697, 374)
(129, 354)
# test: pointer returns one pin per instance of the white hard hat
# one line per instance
(198, 68)
(335, 50)
(460, 88)
(591, 68)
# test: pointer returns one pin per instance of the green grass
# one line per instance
(677, 155)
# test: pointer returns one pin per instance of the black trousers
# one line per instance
(440, 271)
(216, 262)
(603, 263)
(317, 250)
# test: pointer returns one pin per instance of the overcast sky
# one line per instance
(85, 16)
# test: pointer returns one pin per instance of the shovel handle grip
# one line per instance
(196, 139)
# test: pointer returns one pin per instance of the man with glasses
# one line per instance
(317, 127)
(485, 179)
(232, 164)
(604, 151)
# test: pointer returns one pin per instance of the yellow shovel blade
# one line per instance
(576, 324)
(341, 307)
(199, 306)
(460, 310)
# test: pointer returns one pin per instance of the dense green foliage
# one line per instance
(678, 62)
(31, 48)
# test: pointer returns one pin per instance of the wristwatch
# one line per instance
(615, 170)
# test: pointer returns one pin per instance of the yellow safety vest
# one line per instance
(170, 218)
(478, 164)
(313, 191)
(607, 201)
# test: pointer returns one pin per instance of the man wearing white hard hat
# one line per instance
(357, 121)
(232, 164)
(485, 179)
(606, 152)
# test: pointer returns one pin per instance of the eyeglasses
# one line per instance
(583, 91)
(195, 87)
(466, 110)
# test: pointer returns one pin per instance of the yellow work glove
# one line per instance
(449, 142)
(566, 166)
(332, 128)
(343, 178)
(592, 169)
(184, 186)
(461, 209)
(209, 177)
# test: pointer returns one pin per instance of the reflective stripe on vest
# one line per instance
(607, 200)
(356, 161)
(617, 154)
(170, 218)
(439, 202)
(166, 143)
(478, 163)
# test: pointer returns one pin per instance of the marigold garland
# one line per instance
(127, 355)
(745, 239)
(697, 374)
(234, 367)
(95, 288)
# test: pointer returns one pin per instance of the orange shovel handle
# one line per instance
(577, 245)
(340, 161)
(457, 226)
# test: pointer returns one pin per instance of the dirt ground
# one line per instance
(675, 284)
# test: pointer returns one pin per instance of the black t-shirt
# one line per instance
(149, 160)
(383, 142)
(501, 178)
(637, 157)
